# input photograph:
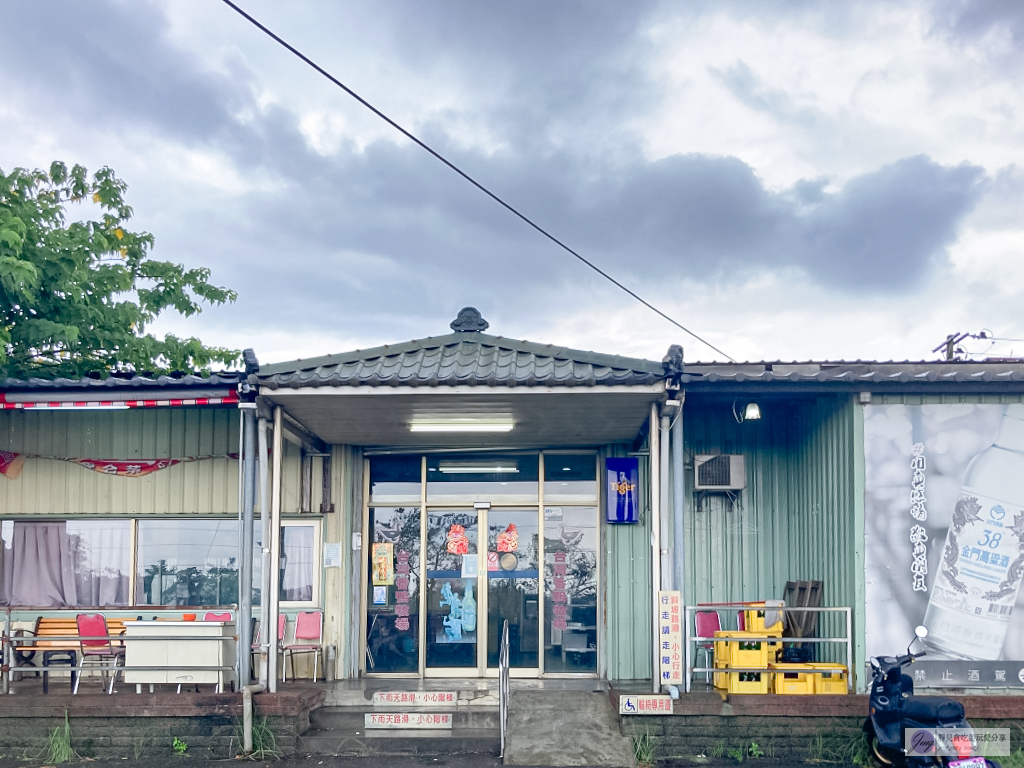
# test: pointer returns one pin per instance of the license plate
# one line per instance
(970, 762)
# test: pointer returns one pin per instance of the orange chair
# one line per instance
(309, 626)
(94, 625)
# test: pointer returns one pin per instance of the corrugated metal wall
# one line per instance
(796, 518)
(48, 487)
(627, 574)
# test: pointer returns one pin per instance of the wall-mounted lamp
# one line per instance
(751, 412)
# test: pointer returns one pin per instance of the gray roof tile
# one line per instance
(462, 358)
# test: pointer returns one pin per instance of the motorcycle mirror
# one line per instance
(921, 632)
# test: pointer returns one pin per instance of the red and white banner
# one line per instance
(11, 464)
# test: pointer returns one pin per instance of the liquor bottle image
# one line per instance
(469, 609)
(979, 576)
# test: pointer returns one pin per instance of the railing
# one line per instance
(690, 642)
(9, 661)
(503, 685)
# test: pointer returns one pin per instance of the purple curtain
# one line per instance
(65, 564)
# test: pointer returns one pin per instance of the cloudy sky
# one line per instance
(789, 180)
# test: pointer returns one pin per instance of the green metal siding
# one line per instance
(627, 573)
(48, 487)
(796, 518)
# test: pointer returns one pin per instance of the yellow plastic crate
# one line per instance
(721, 679)
(831, 679)
(789, 681)
(748, 682)
(753, 620)
(739, 652)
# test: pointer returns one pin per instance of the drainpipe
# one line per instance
(654, 439)
(274, 604)
(667, 552)
(265, 553)
(244, 624)
(247, 692)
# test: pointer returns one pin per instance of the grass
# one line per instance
(840, 747)
(264, 741)
(644, 748)
(58, 745)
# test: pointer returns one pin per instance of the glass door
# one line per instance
(453, 588)
(513, 554)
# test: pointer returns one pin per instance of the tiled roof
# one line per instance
(461, 358)
(857, 372)
(124, 382)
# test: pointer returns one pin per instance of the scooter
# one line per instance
(894, 708)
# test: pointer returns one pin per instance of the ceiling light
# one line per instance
(463, 425)
(478, 467)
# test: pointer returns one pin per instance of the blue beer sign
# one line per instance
(622, 483)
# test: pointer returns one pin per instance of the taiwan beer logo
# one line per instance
(622, 483)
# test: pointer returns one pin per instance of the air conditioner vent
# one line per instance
(724, 472)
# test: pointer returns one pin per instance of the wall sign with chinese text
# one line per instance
(670, 637)
(647, 704)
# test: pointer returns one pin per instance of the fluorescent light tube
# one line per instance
(477, 468)
(461, 426)
(73, 407)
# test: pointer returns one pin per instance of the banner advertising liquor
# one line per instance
(944, 538)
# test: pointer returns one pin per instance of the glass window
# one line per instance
(65, 563)
(570, 478)
(455, 478)
(570, 589)
(393, 603)
(513, 549)
(297, 558)
(299, 564)
(187, 562)
(395, 479)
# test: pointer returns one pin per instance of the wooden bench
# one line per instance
(60, 651)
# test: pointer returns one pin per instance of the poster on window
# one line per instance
(383, 559)
(944, 537)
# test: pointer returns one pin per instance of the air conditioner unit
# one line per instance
(722, 472)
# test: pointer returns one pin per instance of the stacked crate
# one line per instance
(736, 649)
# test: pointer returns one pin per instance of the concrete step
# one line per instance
(362, 742)
(352, 718)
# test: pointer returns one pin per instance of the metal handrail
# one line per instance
(690, 641)
(9, 644)
(503, 688)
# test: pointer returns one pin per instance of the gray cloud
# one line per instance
(361, 234)
(973, 19)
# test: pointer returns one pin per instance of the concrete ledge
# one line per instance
(855, 705)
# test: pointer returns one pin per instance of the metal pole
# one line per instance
(274, 604)
(679, 519)
(667, 553)
(6, 653)
(849, 650)
(265, 550)
(244, 625)
(655, 468)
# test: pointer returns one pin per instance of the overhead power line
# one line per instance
(438, 156)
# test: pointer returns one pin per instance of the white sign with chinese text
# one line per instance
(670, 637)
(402, 720)
(645, 704)
(414, 698)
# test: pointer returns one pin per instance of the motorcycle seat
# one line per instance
(933, 709)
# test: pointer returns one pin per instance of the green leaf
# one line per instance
(77, 297)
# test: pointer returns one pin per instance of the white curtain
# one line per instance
(101, 559)
(297, 548)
